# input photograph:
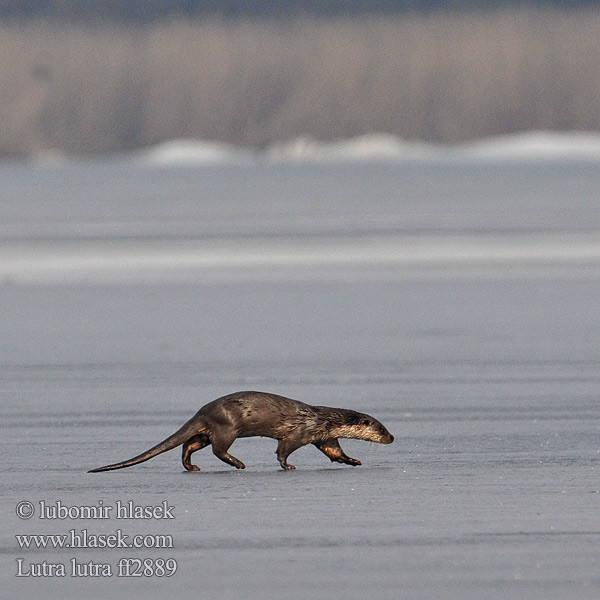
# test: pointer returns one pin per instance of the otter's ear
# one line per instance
(361, 420)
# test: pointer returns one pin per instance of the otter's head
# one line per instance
(364, 427)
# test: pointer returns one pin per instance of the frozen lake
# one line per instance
(456, 300)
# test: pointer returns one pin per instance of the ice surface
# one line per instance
(457, 302)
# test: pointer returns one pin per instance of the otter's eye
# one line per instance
(366, 422)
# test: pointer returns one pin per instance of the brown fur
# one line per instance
(245, 414)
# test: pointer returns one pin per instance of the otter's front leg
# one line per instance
(332, 449)
(196, 442)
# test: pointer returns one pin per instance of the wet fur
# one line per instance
(244, 414)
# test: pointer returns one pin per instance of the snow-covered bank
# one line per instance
(190, 152)
(534, 146)
(530, 146)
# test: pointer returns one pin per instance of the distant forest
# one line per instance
(103, 85)
(147, 10)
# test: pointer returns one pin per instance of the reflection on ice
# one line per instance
(295, 257)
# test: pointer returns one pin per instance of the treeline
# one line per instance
(147, 10)
(438, 77)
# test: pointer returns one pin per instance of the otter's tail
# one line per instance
(181, 435)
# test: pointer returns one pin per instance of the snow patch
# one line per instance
(191, 152)
(531, 146)
(534, 145)
(365, 147)
(523, 147)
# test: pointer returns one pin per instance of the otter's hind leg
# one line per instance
(196, 442)
(220, 445)
(332, 449)
(284, 448)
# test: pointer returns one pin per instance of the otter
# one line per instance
(244, 414)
